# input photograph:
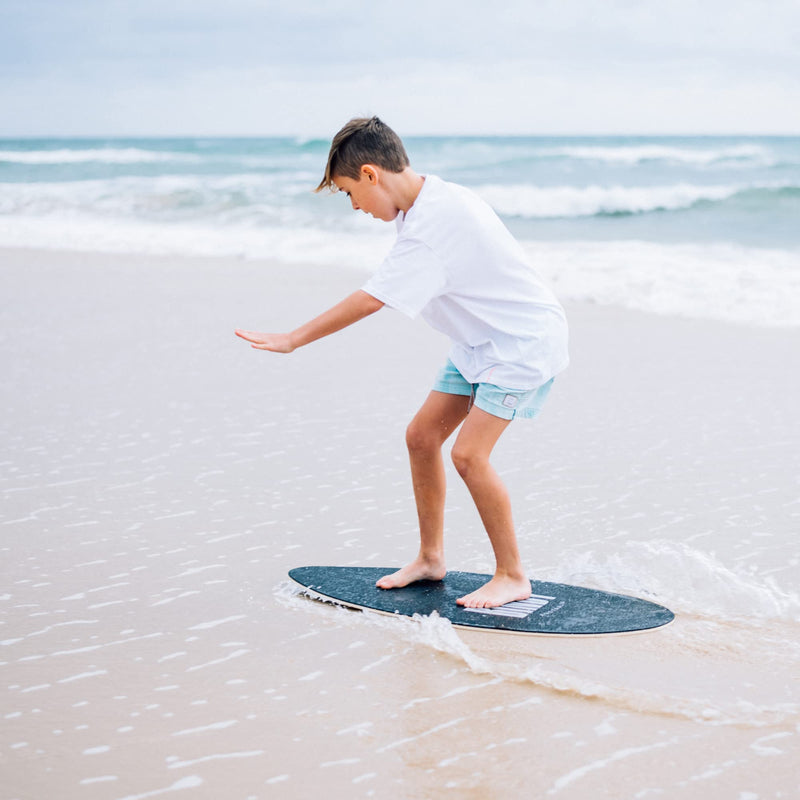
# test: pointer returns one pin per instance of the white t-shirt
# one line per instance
(458, 266)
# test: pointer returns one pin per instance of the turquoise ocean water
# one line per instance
(698, 226)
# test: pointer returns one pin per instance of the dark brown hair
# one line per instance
(364, 140)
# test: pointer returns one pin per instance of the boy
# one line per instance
(456, 264)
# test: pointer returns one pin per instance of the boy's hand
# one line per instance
(353, 308)
(274, 342)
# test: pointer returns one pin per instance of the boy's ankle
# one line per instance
(515, 574)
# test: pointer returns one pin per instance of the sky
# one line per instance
(303, 67)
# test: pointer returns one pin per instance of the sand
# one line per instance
(159, 478)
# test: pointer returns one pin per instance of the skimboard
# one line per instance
(553, 609)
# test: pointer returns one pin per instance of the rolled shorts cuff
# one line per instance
(499, 401)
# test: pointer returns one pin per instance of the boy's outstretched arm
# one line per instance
(353, 308)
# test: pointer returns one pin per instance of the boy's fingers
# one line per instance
(274, 342)
(250, 336)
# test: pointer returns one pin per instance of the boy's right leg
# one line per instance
(439, 416)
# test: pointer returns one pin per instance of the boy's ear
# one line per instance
(370, 172)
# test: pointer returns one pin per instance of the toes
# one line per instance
(468, 601)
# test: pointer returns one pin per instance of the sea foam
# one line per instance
(536, 202)
(724, 282)
(630, 154)
(111, 155)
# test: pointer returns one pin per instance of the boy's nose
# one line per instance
(355, 205)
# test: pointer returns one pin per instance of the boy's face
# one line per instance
(368, 194)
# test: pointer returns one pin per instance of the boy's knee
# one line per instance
(421, 439)
(464, 460)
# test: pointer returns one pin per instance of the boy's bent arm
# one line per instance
(353, 308)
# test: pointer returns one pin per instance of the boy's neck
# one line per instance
(404, 187)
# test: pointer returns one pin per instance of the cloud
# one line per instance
(527, 66)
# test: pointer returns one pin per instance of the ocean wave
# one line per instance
(455, 152)
(559, 202)
(208, 198)
(251, 192)
(534, 155)
(111, 155)
(718, 281)
(632, 154)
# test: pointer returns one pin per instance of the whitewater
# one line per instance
(695, 226)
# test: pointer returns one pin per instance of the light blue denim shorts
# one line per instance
(496, 400)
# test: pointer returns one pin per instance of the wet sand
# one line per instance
(159, 479)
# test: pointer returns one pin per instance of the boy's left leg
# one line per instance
(474, 444)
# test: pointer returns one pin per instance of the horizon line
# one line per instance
(459, 135)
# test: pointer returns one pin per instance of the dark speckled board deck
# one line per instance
(554, 609)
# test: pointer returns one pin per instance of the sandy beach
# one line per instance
(159, 478)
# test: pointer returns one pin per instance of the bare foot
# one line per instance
(497, 592)
(417, 570)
